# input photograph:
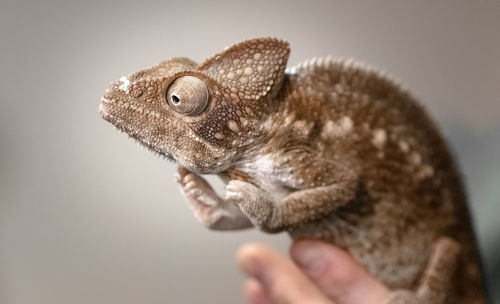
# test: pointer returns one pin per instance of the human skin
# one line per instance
(317, 273)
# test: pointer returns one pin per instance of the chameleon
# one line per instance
(331, 149)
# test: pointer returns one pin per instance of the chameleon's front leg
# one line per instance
(316, 188)
(294, 209)
(210, 209)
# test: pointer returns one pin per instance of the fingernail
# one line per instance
(310, 258)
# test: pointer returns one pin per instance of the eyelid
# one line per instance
(193, 97)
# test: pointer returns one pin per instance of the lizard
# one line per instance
(331, 149)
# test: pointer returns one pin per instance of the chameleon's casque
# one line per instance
(330, 149)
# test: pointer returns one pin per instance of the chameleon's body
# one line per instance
(327, 150)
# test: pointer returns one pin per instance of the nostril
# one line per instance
(137, 91)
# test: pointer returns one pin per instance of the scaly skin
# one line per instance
(329, 150)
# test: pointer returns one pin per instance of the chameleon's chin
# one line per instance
(106, 111)
(109, 113)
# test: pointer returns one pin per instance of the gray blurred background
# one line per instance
(88, 217)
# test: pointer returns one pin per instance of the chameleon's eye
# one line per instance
(188, 95)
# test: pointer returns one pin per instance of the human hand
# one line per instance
(322, 273)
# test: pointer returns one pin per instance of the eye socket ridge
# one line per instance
(188, 95)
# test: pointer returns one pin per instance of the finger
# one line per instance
(337, 274)
(280, 278)
(255, 292)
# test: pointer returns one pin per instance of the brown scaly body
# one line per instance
(328, 150)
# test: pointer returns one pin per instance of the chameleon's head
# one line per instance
(199, 115)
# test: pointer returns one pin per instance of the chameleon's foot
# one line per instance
(211, 210)
(437, 277)
(251, 201)
(201, 197)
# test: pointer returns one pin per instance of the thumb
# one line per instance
(337, 274)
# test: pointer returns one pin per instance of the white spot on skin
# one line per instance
(264, 163)
(289, 119)
(303, 128)
(243, 121)
(336, 129)
(403, 145)
(428, 170)
(299, 124)
(416, 159)
(125, 83)
(379, 138)
(233, 126)
(425, 172)
(219, 136)
(346, 123)
(328, 129)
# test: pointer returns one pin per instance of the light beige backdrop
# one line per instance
(87, 217)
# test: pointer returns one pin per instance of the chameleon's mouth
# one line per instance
(108, 111)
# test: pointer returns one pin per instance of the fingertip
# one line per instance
(279, 277)
(249, 258)
(247, 253)
(316, 258)
(335, 272)
(255, 293)
(250, 250)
